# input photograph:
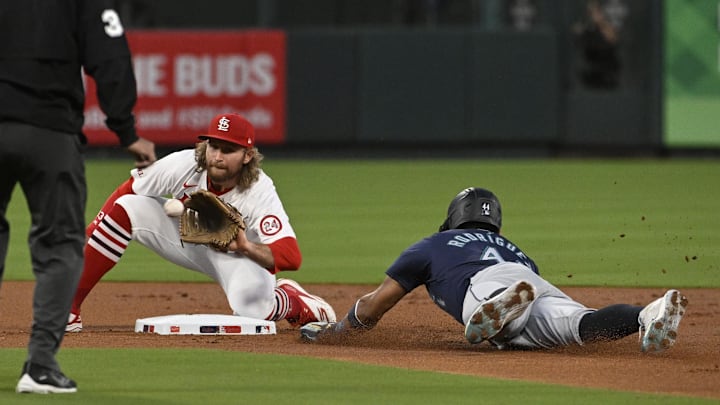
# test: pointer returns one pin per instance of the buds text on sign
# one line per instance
(185, 78)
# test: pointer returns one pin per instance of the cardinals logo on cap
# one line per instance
(223, 124)
(231, 127)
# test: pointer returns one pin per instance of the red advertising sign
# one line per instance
(185, 78)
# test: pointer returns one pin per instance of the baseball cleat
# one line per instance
(659, 321)
(312, 307)
(311, 331)
(36, 379)
(490, 317)
(74, 323)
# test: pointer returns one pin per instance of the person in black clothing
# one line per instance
(44, 44)
(598, 40)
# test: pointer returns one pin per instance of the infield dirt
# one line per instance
(415, 334)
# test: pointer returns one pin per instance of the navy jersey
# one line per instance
(446, 261)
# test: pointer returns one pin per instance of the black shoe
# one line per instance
(37, 379)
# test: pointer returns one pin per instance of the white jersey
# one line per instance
(248, 286)
(260, 205)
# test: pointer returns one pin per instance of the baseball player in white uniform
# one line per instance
(226, 162)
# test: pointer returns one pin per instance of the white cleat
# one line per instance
(490, 318)
(74, 323)
(312, 307)
(659, 321)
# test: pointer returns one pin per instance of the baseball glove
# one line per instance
(208, 220)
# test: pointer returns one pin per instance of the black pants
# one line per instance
(50, 168)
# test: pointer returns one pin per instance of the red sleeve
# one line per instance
(125, 188)
(286, 253)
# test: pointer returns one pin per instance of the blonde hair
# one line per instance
(249, 172)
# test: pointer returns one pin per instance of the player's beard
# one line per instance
(222, 176)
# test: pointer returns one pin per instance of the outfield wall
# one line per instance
(501, 73)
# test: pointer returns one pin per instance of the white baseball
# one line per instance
(173, 207)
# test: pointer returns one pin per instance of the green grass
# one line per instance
(621, 223)
(585, 222)
(194, 376)
(632, 223)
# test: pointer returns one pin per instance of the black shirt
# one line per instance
(43, 46)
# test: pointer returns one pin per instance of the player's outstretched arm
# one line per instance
(364, 315)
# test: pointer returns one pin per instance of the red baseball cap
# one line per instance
(233, 128)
